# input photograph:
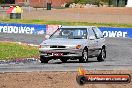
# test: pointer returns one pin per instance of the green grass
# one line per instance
(10, 51)
(65, 23)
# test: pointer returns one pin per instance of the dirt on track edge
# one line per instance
(55, 80)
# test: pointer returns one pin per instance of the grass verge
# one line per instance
(10, 51)
(65, 23)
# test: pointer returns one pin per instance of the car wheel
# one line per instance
(43, 59)
(84, 57)
(102, 55)
(64, 60)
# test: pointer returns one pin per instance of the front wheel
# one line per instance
(84, 57)
(102, 55)
(43, 59)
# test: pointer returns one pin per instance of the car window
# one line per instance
(98, 33)
(70, 33)
(91, 33)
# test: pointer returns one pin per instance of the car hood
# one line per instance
(60, 41)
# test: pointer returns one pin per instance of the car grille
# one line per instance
(57, 46)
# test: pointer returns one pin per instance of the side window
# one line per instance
(98, 33)
(91, 33)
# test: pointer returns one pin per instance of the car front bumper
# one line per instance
(64, 52)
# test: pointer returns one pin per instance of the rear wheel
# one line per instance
(64, 60)
(84, 57)
(43, 59)
(102, 55)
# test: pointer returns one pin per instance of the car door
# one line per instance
(99, 37)
(92, 42)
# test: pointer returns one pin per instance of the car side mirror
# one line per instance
(47, 36)
(92, 38)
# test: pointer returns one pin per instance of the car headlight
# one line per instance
(74, 46)
(45, 46)
(71, 46)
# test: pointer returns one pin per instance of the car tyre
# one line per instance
(102, 55)
(43, 59)
(84, 57)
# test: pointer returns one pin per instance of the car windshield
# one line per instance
(70, 33)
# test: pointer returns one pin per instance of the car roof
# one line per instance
(77, 26)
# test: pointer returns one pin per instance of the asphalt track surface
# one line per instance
(119, 57)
